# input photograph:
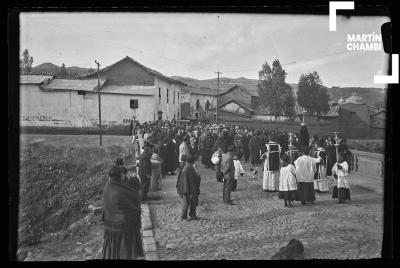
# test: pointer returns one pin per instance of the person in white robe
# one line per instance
(305, 170)
(321, 182)
(270, 175)
(287, 182)
(342, 188)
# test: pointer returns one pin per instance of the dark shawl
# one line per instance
(144, 165)
(254, 149)
(304, 137)
(122, 222)
(171, 160)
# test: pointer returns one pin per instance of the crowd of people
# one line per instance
(293, 164)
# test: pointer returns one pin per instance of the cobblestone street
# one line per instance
(259, 225)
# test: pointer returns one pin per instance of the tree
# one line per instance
(26, 61)
(274, 92)
(62, 72)
(312, 95)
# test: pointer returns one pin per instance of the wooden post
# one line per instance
(98, 94)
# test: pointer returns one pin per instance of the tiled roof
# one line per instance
(33, 79)
(238, 102)
(202, 90)
(130, 90)
(73, 84)
(250, 92)
(141, 65)
(354, 99)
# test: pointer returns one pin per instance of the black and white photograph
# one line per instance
(216, 135)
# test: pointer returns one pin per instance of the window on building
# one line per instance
(134, 104)
(174, 97)
(207, 105)
(178, 96)
(197, 105)
(167, 95)
(159, 95)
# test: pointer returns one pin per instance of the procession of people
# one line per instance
(291, 163)
(170, 142)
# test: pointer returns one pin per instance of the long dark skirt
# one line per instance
(234, 186)
(254, 158)
(246, 154)
(288, 195)
(305, 192)
(123, 244)
(344, 193)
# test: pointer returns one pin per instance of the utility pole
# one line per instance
(216, 110)
(98, 95)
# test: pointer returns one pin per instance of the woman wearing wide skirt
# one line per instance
(122, 217)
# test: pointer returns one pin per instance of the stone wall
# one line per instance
(369, 164)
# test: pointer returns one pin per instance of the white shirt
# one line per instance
(183, 150)
(287, 179)
(341, 174)
(305, 168)
(238, 169)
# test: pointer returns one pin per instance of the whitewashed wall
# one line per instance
(169, 109)
(269, 118)
(234, 107)
(203, 100)
(68, 109)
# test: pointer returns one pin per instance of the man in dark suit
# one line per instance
(228, 169)
(145, 170)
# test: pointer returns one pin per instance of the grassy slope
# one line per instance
(58, 181)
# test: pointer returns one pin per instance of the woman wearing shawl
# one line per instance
(122, 217)
(171, 160)
(254, 150)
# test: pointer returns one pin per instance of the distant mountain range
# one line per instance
(49, 67)
(370, 95)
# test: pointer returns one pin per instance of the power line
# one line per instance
(216, 109)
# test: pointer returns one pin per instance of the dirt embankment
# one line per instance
(58, 184)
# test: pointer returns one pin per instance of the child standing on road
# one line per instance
(287, 182)
(342, 188)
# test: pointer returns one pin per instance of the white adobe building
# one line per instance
(46, 101)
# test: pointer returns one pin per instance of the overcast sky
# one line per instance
(197, 45)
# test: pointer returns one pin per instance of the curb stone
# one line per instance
(149, 243)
